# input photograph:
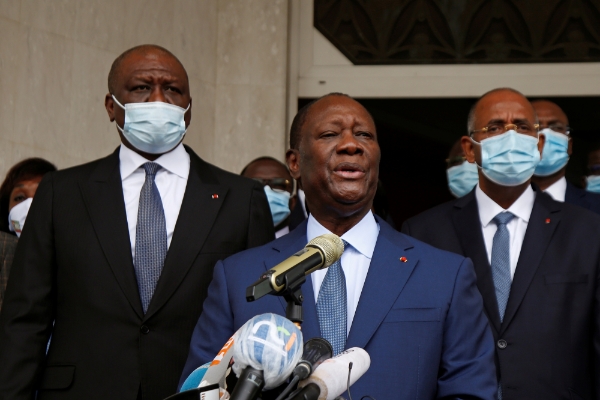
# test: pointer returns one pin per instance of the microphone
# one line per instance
(315, 351)
(319, 253)
(331, 378)
(195, 378)
(217, 368)
(266, 349)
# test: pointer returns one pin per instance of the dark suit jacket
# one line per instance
(296, 216)
(548, 346)
(582, 198)
(8, 244)
(421, 321)
(74, 267)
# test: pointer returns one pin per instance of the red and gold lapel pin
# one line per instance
(215, 196)
(403, 259)
(547, 220)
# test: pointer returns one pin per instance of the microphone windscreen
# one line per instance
(330, 245)
(332, 375)
(194, 379)
(268, 342)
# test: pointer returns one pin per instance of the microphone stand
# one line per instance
(294, 297)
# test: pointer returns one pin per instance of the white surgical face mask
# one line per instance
(153, 127)
(17, 215)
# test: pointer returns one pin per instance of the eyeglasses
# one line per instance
(560, 128)
(524, 128)
(454, 161)
(276, 183)
(594, 169)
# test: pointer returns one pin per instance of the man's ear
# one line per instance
(468, 148)
(109, 104)
(570, 149)
(292, 158)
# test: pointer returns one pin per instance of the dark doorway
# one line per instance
(415, 136)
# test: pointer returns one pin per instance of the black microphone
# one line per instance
(316, 350)
(249, 384)
(319, 253)
(308, 392)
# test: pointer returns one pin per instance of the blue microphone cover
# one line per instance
(271, 343)
(194, 379)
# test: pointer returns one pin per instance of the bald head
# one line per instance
(495, 97)
(145, 50)
(550, 115)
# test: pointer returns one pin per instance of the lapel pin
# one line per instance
(215, 196)
(547, 220)
(403, 259)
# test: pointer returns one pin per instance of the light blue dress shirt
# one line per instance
(355, 260)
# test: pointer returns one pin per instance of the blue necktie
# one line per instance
(150, 237)
(501, 261)
(332, 308)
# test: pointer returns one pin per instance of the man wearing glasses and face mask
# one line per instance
(549, 174)
(279, 188)
(537, 260)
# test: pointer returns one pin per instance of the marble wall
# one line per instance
(55, 57)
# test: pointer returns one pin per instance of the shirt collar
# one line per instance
(176, 161)
(558, 189)
(488, 208)
(362, 236)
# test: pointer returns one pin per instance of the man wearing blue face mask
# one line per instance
(279, 188)
(592, 180)
(549, 174)
(119, 252)
(537, 260)
(462, 175)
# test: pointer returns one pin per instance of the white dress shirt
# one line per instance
(283, 231)
(170, 180)
(558, 190)
(517, 227)
(355, 259)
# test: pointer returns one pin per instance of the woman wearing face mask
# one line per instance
(16, 195)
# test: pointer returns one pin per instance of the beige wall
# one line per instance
(55, 56)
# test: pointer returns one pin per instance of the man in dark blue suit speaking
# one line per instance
(415, 309)
(537, 260)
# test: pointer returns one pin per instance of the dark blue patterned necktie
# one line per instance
(150, 237)
(332, 306)
(501, 266)
(501, 261)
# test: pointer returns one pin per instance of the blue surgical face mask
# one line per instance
(279, 203)
(593, 183)
(509, 159)
(462, 178)
(555, 154)
(153, 127)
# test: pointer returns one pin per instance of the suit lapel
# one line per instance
(284, 248)
(385, 280)
(197, 215)
(468, 226)
(544, 219)
(103, 197)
